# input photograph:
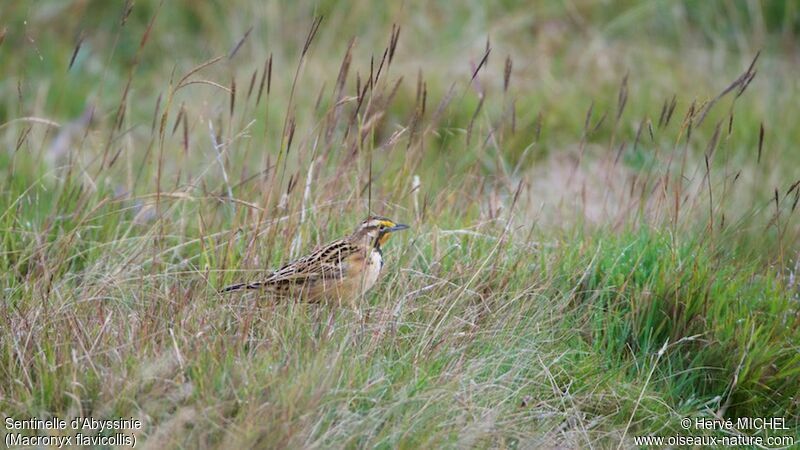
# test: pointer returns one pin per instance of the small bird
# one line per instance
(340, 271)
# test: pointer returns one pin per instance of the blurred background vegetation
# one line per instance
(61, 59)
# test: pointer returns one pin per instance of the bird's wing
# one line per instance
(326, 263)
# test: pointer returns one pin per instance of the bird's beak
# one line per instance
(397, 227)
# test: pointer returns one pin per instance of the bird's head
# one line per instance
(377, 229)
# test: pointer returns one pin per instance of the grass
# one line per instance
(590, 260)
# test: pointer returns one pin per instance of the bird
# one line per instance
(340, 271)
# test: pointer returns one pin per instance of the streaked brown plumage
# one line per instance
(340, 271)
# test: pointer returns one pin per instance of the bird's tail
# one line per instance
(240, 286)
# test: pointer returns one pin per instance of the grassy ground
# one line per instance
(601, 243)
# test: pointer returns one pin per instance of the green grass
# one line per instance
(579, 272)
